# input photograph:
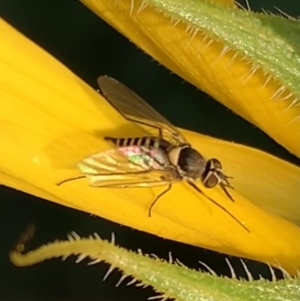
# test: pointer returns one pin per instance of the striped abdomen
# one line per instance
(149, 141)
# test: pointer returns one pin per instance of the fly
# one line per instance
(149, 161)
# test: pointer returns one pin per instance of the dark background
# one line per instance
(89, 47)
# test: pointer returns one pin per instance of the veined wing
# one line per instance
(139, 179)
(134, 108)
(113, 169)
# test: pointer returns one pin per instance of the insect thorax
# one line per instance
(190, 163)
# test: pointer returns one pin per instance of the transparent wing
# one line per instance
(146, 179)
(112, 169)
(134, 108)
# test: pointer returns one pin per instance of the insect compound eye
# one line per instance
(214, 164)
(211, 180)
(212, 175)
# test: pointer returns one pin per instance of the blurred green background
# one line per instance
(89, 47)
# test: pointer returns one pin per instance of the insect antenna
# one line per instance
(69, 180)
(217, 204)
(225, 181)
(157, 198)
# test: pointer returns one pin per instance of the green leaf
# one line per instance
(269, 41)
(170, 279)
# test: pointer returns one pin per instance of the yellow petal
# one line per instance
(209, 65)
(50, 119)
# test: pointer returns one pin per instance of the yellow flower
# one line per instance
(231, 78)
(50, 120)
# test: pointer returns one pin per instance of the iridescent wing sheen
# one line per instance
(133, 108)
(113, 169)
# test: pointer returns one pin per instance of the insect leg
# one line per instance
(226, 192)
(157, 198)
(70, 179)
(221, 179)
(217, 204)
